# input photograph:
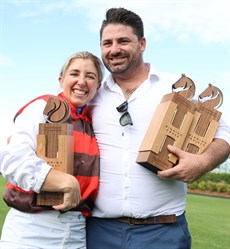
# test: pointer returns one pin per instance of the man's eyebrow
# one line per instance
(119, 38)
(106, 40)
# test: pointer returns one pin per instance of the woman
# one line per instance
(28, 225)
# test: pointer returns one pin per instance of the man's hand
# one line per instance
(190, 166)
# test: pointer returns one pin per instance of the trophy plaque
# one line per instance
(180, 122)
(55, 145)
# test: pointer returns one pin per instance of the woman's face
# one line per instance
(80, 81)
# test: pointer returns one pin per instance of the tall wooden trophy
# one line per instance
(180, 122)
(205, 121)
(55, 145)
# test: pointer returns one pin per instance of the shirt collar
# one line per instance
(153, 77)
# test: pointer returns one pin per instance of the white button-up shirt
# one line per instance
(127, 188)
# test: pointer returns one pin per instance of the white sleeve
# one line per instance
(223, 131)
(19, 163)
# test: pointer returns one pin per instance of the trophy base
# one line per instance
(50, 198)
(152, 161)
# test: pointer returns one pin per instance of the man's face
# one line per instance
(120, 49)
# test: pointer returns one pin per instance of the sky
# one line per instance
(36, 37)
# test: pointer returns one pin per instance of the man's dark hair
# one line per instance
(124, 17)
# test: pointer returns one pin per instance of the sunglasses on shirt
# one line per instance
(125, 118)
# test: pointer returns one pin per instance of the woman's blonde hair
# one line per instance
(85, 55)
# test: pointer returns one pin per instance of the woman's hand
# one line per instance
(57, 181)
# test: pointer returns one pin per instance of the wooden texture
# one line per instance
(55, 146)
(202, 129)
(57, 110)
(169, 125)
(181, 123)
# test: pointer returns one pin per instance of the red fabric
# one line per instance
(86, 165)
(85, 144)
(9, 185)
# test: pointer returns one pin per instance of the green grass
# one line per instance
(3, 207)
(209, 222)
(208, 219)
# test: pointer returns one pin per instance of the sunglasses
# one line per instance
(125, 118)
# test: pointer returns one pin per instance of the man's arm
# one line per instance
(190, 167)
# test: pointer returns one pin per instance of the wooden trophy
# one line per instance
(205, 121)
(181, 123)
(55, 145)
(169, 125)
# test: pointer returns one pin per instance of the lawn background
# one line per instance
(208, 219)
(3, 207)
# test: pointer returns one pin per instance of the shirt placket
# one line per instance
(125, 171)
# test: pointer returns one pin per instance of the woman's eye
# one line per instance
(91, 77)
(73, 74)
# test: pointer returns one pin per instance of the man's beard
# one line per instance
(116, 69)
(123, 68)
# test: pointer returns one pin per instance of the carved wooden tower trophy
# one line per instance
(182, 123)
(55, 145)
(205, 121)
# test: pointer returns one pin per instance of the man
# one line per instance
(136, 208)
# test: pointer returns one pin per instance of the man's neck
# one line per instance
(131, 81)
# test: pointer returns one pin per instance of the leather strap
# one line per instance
(161, 219)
